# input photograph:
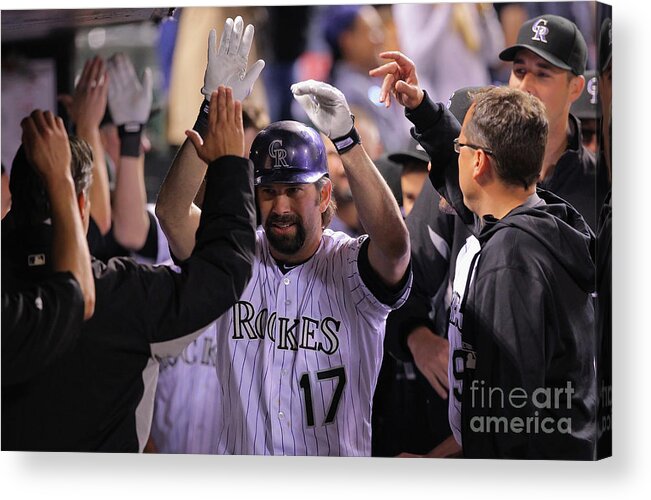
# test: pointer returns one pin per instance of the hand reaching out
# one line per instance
(87, 105)
(227, 65)
(326, 107)
(225, 134)
(46, 145)
(129, 99)
(400, 80)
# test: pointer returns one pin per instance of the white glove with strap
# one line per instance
(328, 110)
(129, 101)
(227, 64)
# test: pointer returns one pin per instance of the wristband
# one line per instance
(201, 125)
(346, 142)
(130, 139)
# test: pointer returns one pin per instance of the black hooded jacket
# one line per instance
(526, 319)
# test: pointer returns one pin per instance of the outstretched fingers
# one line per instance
(236, 38)
(225, 40)
(247, 41)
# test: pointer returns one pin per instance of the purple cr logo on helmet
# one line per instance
(288, 152)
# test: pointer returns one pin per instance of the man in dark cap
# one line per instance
(549, 60)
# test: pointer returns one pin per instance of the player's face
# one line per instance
(555, 87)
(291, 217)
(411, 184)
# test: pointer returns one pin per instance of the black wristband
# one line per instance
(346, 142)
(130, 139)
(201, 125)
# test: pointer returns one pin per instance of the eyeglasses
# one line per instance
(458, 145)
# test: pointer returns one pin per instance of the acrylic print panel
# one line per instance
(349, 391)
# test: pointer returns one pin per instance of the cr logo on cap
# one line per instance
(541, 30)
(278, 153)
(592, 89)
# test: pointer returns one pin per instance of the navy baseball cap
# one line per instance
(336, 20)
(461, 100)
(414, 152)
(555, 39)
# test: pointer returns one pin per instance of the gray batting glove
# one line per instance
(129, 100)
(326, 107)
(227, 64)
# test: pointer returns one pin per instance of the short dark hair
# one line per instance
(513, 124)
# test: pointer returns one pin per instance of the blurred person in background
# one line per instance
(355, 35)
(453, 45)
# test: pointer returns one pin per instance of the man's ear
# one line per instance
(482, 168)
(577, 83)
(325, 195)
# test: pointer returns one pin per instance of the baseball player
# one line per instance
(298, 355)
(99, 395)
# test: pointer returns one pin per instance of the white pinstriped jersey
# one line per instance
(298, 356)
(187, 400)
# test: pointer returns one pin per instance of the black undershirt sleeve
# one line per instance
(388, 295)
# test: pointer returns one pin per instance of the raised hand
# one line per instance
(225, 133)
(129, 100)
(87, 105)
(227, 65)
(400, 80)
(46, 145)
(326, 107)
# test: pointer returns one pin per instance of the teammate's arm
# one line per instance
(130, 103)
(86, 107)
(388, 249)
(227, 65)
(47, 148)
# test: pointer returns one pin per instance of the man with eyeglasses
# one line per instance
(521, 324)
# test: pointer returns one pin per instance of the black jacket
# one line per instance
(527, 317)
(576, 179)
(99, 395)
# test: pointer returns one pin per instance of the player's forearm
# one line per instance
(378, 211)
(69, 246)
(178, 216)
(100, 196)
(130, 220)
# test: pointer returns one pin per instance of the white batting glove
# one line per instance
(227, 64)
(129, 100)
(328, 110)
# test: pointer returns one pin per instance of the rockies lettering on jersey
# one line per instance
(291, 333)
(187, 401)
(298, 356)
